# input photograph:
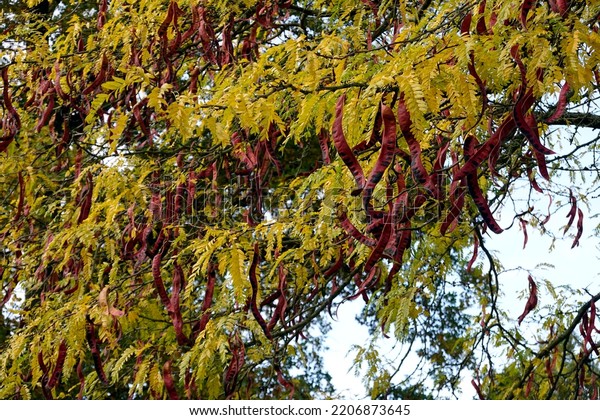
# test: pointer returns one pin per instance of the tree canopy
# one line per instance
(189, 188)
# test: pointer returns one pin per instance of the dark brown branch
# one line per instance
(579, 119)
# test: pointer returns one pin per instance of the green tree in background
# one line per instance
(190, 188)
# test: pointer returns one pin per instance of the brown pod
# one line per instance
(341, 145)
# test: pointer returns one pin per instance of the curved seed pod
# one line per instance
(85, 198)
(532, 181)
(41, 363)
(579, 229)
(159, 285)
(7, 99)
(475, 190)
(482, 205)
(526, 6)
(547, 218)
(341, 145)
(336, 265)
(572, 211)
(92, 340)
(419, 172)
(523, 223)
(324, 145)
(58, 367)
(162, 30)
(561, 105)
(254, 284)
(278, 314)
(484, 152)
(284, 382)
(102, 14)
(403, 235)
(353, 231)
(57, 87)
(377, 252)
(528, 126)
(364, 286)
(542, 167)
(529, 131)
(514, 53)
(457, 201)
(99, 78)
(45, 117)
(562, 7)
(465, 26)
(174, 307)
(529, 385)
(191, 192)
(475, 75)
(206, 303)
(386, 155)
(548, 367)
(376, 132)
(226, 50)
(532, 301)
(481, 28)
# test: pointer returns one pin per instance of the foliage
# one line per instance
(189, 186)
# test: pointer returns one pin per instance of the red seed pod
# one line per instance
(419, 172)
(353, 231)
(159, 284)
(523, 223)
(102, 14)
(528, 126)
(92, 340)
(47, 113)
(85, 198)
(100, 78)
(572, 211)
(377, 252)
(480, 83)
(561, 105)
(475, 190)
(254, 285)
(579, 229)
(324, 145)
(531, 301)
(465, 26)
(487, 148)
(526, 6)
(341, 145)
(532, 181)
(174, 308)
(58, 367)
(481, 28)
(289, 386)
(206, 303)
(386, 155)
(475, 252)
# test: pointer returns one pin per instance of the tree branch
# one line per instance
(579, 119)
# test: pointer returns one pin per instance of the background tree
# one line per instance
(190, 187)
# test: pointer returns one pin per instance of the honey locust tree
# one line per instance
(189, 188)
